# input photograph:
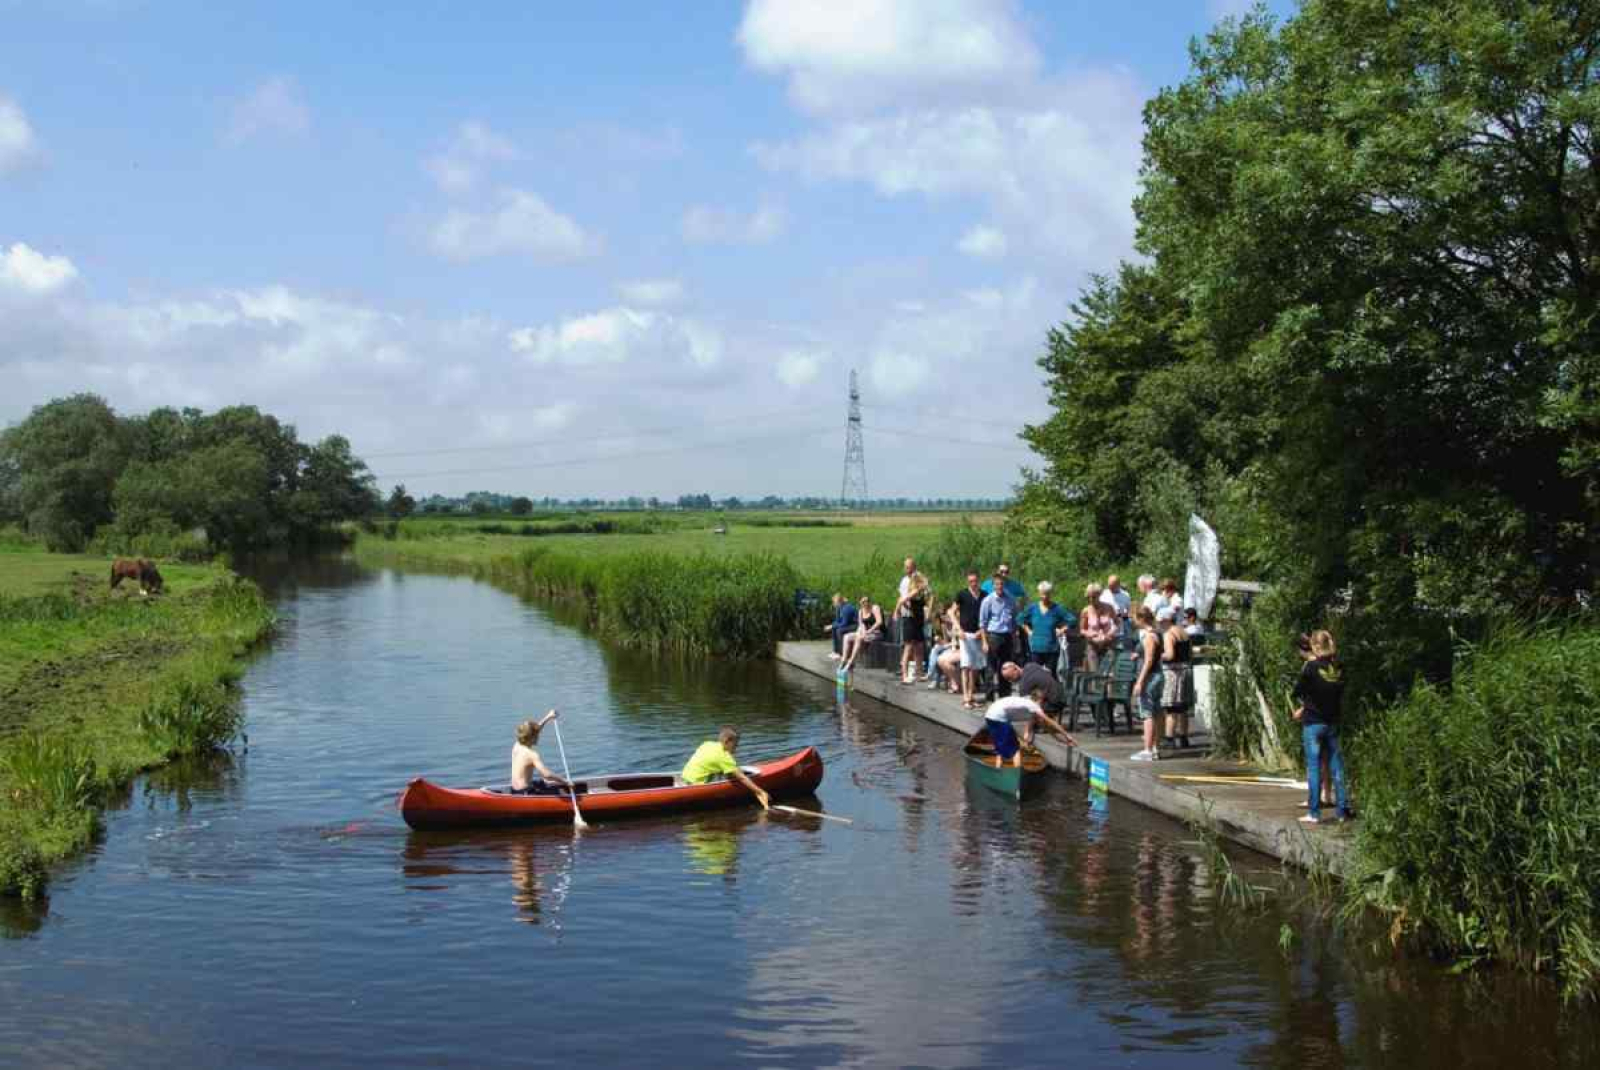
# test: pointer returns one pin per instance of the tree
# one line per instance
(334, 485)
(521, 506)
(1367, 325)
(67, 455)
(400, 503)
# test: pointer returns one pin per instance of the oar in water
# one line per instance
(577, 819)
(810, 813)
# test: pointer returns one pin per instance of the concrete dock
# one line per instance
(1262, 816)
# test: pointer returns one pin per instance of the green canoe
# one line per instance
(984, 767)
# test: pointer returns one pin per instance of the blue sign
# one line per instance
(1099, 775)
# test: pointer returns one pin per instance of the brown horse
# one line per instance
(140, 570)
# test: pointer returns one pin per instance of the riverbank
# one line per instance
(1192, 787)
(98, 685)
(734, 590)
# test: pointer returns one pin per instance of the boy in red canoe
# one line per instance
(710, 759)
(528, 773)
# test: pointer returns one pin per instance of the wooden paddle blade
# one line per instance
(812, 813)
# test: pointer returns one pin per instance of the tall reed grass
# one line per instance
(1481, 807)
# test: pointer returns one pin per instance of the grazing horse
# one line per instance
(140, 570)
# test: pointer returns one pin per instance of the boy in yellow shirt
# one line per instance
(710, 759)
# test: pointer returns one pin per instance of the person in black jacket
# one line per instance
(1320, 692)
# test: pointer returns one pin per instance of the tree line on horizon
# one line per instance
(400, 503)
(75, 473)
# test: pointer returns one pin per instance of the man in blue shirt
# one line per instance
(997, 623)
(845, 619)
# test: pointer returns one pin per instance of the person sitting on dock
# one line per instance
(1005, 716)
(715, 758)
(528, 773)
(845, 618)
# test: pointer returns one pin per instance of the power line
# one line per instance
(934, 437)
(582, 462)
(567, 439)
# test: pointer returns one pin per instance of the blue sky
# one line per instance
(575, 249)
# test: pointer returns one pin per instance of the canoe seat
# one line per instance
(549, 789)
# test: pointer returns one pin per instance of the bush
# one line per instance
(159, 538)
(52, 773)
(22, 869)
(192, 718)
(1481, 807)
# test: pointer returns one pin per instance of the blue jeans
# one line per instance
(1316, 737)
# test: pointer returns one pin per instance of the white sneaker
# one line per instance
(1142, 756)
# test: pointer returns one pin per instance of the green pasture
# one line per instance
(97, 685)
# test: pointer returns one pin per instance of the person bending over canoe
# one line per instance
(713, 758)
(1011, 722)
(528, 773)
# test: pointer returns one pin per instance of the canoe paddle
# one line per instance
(577, 819)
(811, 813)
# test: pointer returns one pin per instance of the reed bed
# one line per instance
(1480, 831)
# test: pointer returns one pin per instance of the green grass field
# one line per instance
(812, 551)
(82, 671)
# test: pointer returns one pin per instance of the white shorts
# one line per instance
(972, 656)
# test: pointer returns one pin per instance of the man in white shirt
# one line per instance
(905, 589)
(1117, 597)
(1154, 600)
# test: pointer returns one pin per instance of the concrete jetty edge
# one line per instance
(1259, 815)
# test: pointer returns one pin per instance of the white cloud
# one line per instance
(620, 335)
(1062, 169)
(985, 243)
(932, 347)
(276, 106)
(32, 272)
(653, 292)
(18, 144)
(707, 225)
(850, 56)
(799, 367)
(456, 170)
(520, 222)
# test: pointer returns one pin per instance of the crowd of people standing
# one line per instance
(989, 638)
(978, 643)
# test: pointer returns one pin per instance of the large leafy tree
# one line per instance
(1372, 236)
(67, 456)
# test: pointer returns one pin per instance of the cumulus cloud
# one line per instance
(708, 225)
(1062, 169)
(24, 269)
(933, 347)
(457, 168)
(18, 145)
(276, 106)
(519, 222)
(620, 335)
(984, 243)
(798, 367)
(652, 292)
(849, 56)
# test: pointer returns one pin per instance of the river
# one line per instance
(271, 909)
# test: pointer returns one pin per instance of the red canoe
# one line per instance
(429, 806)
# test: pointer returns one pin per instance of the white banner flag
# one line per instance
(1205, 568)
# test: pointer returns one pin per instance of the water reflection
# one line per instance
(948, 926)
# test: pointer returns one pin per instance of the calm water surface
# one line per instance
(272, 910)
